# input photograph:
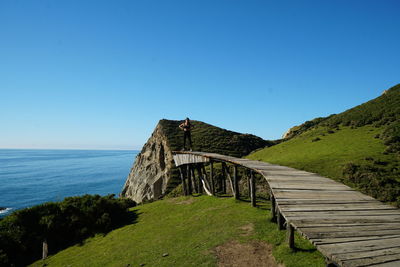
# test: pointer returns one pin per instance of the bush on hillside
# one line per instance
(373, 180)
(61, 224)
(391, 138)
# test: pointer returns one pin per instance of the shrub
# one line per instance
(375, 181)
(61, 224)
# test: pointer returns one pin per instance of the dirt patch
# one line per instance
(252, 254)
(212, 209)
(182, 201)
(247, 230)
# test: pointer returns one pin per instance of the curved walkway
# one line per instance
(346, 226)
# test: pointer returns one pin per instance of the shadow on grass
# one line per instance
(309, 250)
(131, 218)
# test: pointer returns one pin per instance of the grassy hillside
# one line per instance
(186, 231)
(359, 147)
(209, 138)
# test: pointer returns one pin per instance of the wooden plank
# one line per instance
(335, 249)
(313, 224)
(303, 183)
(366, 254)
(351, 228)
(181, 159)
(280, 177)
(299, 222)
(305, 192)
(370, 260)
(387, 264)
(318, 195)
(332, 207)
(324, 235)
(349, 219)
(297, 201)
(327, 241)
(319, 187)
(319, 213)
(292, 180)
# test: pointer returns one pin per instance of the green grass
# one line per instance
(328, 155)
(350, 155)
(187, 228)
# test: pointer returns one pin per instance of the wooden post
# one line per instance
(330, 263)
(212, 178)
(207, 180)
(280, 220)
(200, 177)
(189, 179)
(252, 189)
(223, 180)
(248, 185)
(290, 235)
(45, 249)
(195, 184)
(273, 207)
(184, 187)
(203, 175)
(225, 169)
(236, 182)
(206, 177)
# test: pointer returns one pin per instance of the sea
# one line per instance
(31, 176)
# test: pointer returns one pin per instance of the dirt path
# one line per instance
(253, 254)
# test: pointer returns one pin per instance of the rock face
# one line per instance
(151, 171)
(154, 173)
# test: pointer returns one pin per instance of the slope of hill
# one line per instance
(153, 174)
(190, 231)
(359, 147)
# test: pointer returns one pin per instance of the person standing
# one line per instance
(186, 126)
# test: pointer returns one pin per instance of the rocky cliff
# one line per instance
(153, 173)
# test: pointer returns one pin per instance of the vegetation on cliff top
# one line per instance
(186, 231)
(209, 138)
(359, 147)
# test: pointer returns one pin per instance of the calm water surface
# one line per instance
(30, 177)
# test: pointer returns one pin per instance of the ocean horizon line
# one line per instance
(81, 149)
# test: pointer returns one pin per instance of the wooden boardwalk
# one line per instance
(346, 226)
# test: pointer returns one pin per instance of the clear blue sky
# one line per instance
(100, 74)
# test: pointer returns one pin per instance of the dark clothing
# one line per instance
(186, 128)
(186, 134)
